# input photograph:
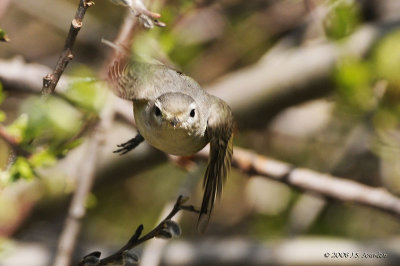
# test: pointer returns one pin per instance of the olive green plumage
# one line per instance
(174, 114)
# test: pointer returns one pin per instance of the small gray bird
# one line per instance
(175, 115)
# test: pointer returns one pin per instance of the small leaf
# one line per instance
(42, 158)
(86, 92)
(342, 19)
(21, 169)
(3, 36)
(386, 58)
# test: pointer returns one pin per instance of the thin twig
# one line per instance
(136, 240)
(50, 80)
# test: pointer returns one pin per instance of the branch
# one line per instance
(336, 188)
(50, 80)
(165, 229)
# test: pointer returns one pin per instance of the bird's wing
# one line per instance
(134, 80)
(219, 132)
(138, 81)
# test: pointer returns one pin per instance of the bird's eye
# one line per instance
(192, 113)
(157, 111)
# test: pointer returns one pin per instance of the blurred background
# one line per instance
(312, 83)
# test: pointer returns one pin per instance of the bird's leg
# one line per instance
(129, 145)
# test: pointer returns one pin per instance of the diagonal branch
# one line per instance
(326, 185)
(50, 80)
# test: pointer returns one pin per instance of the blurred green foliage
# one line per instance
(354, 79)
(21, 169)
(373, 83)
(386, 60)
(368, 90)
(48, 128)
(3, 36)
(342, 19)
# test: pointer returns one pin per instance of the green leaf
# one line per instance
(353, 78)
(87, 94)
(42, 158)
(18, 128)
(21, 169)
(342, 20)
(50, 122)
(387, 58)
(3, 36)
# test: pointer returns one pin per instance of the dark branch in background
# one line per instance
(336, 188)
(165, 229)
(50, 80)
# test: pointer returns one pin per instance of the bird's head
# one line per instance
(176, 110)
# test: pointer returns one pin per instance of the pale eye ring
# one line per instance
(192, 113)
(157, 111)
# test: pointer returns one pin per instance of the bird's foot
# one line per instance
(129, 145)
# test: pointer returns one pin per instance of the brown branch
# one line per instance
(50, 80)
(136, 240)
(326, 185)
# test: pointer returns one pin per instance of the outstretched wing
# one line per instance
(136, 80)
(219, 132)
(132, 80)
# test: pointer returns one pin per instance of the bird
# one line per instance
(174, 114)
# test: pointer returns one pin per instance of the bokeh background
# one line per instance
(312, 83)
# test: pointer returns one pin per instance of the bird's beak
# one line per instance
(174, 122)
